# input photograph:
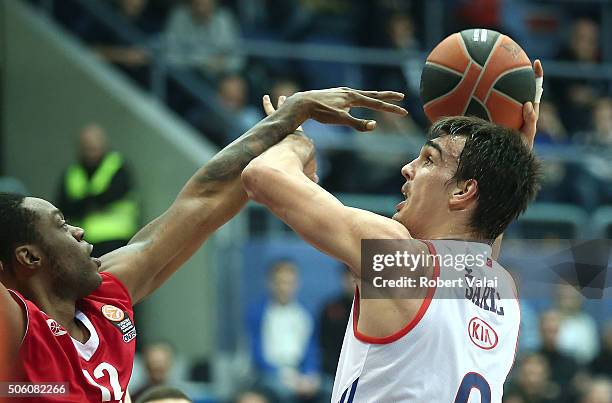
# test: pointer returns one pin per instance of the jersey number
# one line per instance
(114, 381)
(471, 381)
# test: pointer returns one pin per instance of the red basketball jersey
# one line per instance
(97, 371)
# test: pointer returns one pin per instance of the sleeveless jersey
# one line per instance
(97, 371)
(458, 348)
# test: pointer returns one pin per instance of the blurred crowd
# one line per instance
(200, 38)
(564, 354)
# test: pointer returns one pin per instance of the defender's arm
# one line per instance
(209, 199)
(215, 194)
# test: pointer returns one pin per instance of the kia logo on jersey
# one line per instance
(482, 334)
(56, 328)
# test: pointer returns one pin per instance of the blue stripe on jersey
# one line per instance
(351, 396)
(353, 389)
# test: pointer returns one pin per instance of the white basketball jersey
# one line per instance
(459, 348)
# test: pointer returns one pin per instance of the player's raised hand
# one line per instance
(531, 112)
(333, 105)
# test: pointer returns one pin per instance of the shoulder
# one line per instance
(376, 226)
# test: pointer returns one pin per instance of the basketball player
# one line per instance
(426, 342)
(70, 317)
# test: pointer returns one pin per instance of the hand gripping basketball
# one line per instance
(531, 112)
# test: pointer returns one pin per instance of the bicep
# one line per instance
(164, 244)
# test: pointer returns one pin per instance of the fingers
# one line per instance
(529, 114)
(267, 105)
(363, 125)
(281, 100)
(530, 119)
(537, 67)
(377, 104)
(539, 79)
(382, 95)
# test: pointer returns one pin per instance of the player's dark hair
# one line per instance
(507, 172)
(17, 226)
(162, 392)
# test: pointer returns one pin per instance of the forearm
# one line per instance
(290, 155)
(227, 165)
(212, 196)
(282, 162)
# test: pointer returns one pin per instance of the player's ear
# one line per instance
(29, 256)
(464, 193)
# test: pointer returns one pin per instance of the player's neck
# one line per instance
(446, 231)
(60, 308)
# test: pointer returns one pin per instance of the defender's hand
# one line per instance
(333, 105)
(531, 112)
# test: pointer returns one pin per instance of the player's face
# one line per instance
(428, 186)
(65, 254)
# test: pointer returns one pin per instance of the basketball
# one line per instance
(478, 72)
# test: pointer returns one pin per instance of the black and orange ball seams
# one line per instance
(478, 72)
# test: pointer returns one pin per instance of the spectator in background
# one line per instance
(96, 193)
(598, 391)
(532, 383)
(601, 136)
(131, 56)
(284, 86)
(208, 32)
(562, 367)
(576, 97)
(234, 95)
(598, 181)
(577, 332)
(163, 394)
(329, 22)
(400, 36)
(332, 321)
(477, 13)
(550, 127)
(283, 339)
(602, 364)
(237, 115)
(158, 359)
(251, 396)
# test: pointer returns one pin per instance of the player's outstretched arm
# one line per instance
(215, 194)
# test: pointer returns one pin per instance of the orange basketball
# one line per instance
(478, 72)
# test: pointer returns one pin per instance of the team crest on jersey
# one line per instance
(482, 334)
(56, 328)
(121, 320)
